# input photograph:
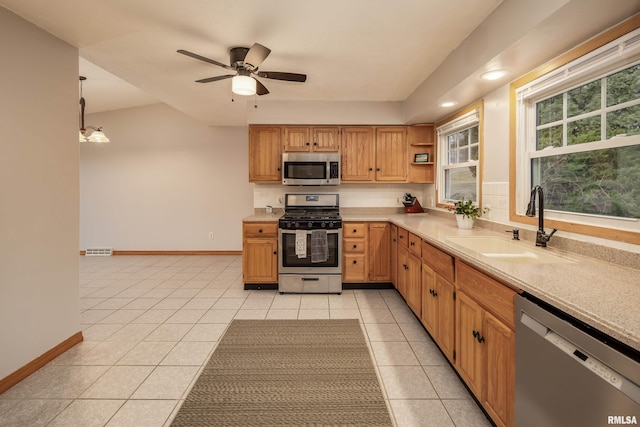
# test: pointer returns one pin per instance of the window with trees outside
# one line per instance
(458, 157)
(578, 136)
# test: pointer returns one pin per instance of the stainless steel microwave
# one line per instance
(311, 169)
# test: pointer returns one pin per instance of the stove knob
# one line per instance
(323, 225)
(330, 225)
(310, 224)
(288, 225)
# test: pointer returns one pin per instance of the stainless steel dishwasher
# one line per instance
(569, 374)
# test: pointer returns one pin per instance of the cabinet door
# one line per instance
(446, 316)
(357, 154)
(469, 352)
(413, 285)
(429, 314)
(325, 139)
(379, 249)
(260, 260)
(265, 154)
(403, 254)
(296, 138)
(394, 255)
(500, 370)
(391, 154)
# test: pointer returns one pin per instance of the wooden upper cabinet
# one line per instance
(307, 139)
(357, 153)
(391, 153)
(265, 154)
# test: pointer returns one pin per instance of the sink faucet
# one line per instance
(541, 237)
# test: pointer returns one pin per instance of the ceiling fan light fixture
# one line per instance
(243, 85)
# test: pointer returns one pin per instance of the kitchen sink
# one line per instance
(507, 250)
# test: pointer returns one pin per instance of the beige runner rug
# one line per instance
(287, 372)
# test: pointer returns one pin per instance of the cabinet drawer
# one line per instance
(354, 268)
(492, 295)
(354, 246)
(440, 262)
(403, 237)
(260, 229)
(415, 244)
(354, 229)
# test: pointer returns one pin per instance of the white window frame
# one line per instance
(617, 55)
(466, 121)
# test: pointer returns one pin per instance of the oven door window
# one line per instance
(305, 170)
(290, 259)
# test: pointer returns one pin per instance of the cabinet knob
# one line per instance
(315, 143)
(370, 169)
(412, 243)
(355, 246)
(307, 143)
(377, 169)
(260, 230)
(279, 169)
(355, 231)
(355, 262)
(275, 252)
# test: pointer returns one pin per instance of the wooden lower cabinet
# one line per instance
(409, 279)
(365, 252)
(485, 343)
(260, 252)
(438, 310)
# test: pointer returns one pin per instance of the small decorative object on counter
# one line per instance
(466, 212)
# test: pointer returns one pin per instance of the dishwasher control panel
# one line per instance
(591, 363)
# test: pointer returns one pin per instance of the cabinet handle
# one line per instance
(478, 337)
(412, 243)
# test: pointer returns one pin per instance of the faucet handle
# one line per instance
(516, 233)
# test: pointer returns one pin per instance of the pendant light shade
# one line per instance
(97, 135)
(243, 85)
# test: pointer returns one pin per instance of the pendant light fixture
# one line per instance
(97, 135)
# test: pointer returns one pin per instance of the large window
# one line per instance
(458, 157)
(578, 136)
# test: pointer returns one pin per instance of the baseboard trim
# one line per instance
(14, 378)
(170, 252)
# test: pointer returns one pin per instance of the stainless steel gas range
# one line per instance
(310, 244)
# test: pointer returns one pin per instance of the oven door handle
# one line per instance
(310, 279)
(334, 231)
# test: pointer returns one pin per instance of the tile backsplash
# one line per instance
(351, 195)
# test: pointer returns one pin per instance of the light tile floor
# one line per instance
(151, 322)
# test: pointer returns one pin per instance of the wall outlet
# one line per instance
(211, 235)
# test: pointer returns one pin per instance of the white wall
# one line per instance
(163, 183)
(39, 297)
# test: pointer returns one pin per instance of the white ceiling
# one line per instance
(351, 50)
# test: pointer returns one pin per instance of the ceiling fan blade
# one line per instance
(202, 58)
(215, 79)
(260, 88)
(256, 55)
(289, 77)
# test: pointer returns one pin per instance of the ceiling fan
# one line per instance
(245, 63)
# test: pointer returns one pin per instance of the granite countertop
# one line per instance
(601, 294)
